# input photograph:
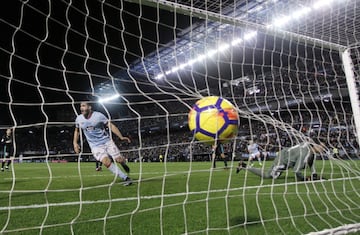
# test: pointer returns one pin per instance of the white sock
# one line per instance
(116, 170)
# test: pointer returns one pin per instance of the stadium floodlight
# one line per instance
(109, 98)
(278, 22)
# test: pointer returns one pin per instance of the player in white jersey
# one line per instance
(254, 152)
(93, 125)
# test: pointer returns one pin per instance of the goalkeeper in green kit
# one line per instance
(296, 158)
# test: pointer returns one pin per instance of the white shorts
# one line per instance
(253, 155)
(106, 150)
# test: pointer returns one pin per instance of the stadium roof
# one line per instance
(313, 19)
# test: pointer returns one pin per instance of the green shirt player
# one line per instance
(296, 158)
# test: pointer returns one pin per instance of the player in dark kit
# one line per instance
(218, 152)
(7, 147)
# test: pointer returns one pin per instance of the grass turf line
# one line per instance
(236, 204)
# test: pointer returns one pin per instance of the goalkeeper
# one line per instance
(297, 158)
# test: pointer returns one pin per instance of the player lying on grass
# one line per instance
(93, 125)
(297, 158)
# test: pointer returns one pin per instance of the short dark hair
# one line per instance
(86, 102)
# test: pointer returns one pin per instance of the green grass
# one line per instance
(79, 199)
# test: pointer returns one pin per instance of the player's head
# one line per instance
(8, 131)
(315, 149)
(85, 108)
(318, 148)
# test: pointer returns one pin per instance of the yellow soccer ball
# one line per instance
(213, 118)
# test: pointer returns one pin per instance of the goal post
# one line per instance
(353, 89)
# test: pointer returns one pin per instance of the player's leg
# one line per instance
(98, 166)
(258, 156)
(261, 172)
(122, 162)
(114, 151)
(8, 164)
(2, 164)
(8, 157)
(113, 168)
(100, 154)
(251, 159)
(240, 166)
(224, 159)
(213, 160)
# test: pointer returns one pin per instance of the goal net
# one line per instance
(290, 67)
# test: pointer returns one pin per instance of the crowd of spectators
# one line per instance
(173, 140)
(161, 128)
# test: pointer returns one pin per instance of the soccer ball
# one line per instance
(213, 118)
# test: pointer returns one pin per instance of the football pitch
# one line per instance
(174, 198)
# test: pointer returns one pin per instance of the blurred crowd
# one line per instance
(169, 136)
(160, 128)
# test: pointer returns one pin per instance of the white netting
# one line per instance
(289, 66)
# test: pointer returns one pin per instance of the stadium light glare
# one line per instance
(302, 12)
(322, 3)
(280, 22)
(277, 22)
(223, 47)
(159, 76)
(174, 69)
(200, 58)
(250, 35)
(183, 65)
(109, 98)
(211, 53)
(191, 62)
(236, 41)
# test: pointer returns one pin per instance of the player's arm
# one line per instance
(298, 169)
(117, 132)
(300, 155)
(76, 140)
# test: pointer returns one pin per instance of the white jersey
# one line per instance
(253, 148)
(94, 128)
